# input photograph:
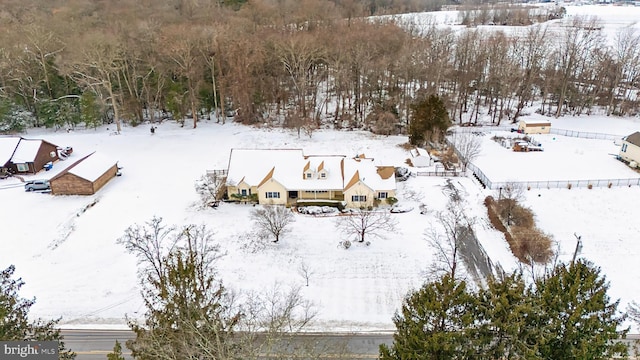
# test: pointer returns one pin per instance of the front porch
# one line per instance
(320, 196)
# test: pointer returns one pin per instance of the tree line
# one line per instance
(298, 64)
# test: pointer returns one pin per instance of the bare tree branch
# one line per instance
(362, 223)
(273, 219)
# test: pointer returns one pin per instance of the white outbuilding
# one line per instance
(421, 158)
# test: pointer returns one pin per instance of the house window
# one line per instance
(624, 149)
(358, 198)
(244, 192)
(323, 175)
(272, 195)
(383, 195)
(307, 175)
(22, 167)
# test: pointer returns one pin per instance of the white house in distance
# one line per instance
(420, 158)
(286, 176)
(630, 149)
(534, 126)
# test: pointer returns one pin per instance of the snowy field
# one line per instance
(71, 262)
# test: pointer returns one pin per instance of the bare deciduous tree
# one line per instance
(274, 317)
(95, 64)
(445, 239)
(181, 49)
(150, 243)
(469, 146)
(305, 271)
(509, 196)
(209, 187)
(274, 219)
(362, 223)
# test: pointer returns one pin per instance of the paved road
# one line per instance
(96, 344)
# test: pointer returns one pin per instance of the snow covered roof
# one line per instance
(7, 147)
(366, 171)
(633, 138)
(26, 151)
(534, 122)
(295, 171)
(415, 152)
(252, 165)
(90, 167)
(330, 165)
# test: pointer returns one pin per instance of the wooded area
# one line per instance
(299, 63)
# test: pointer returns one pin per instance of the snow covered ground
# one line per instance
(68, 255)
(71, 262)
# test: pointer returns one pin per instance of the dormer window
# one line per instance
(307, 175)
(323, 175)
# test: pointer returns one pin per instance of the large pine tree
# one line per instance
(432, 323)
(505, 329)
(566, 314)
(579, 320)
(428, 121)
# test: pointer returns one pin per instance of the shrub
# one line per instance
(531, 244)
(522, 216)
(526, 242)
(391, 200)
(345, 244)
(336, 204)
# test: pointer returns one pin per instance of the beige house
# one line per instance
(534, 127)
(630, 149)
(286, 176)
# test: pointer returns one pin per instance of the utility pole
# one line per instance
(578, 247)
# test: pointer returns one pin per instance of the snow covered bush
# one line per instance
(13, 119)
(317, 210)
(346, 244)
(401, 208)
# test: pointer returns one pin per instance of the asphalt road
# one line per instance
(96, 344)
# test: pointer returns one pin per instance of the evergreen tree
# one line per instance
(428, 121)
(432, 323)
(579, 321)
(503, 313)
(564, 315)
(117, 352)
(13, 118)
(14, 320)
(89, 109)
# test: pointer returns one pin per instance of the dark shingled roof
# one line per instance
(634, 138)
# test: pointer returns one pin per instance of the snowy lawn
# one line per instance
(70, 260)
(563, 159)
